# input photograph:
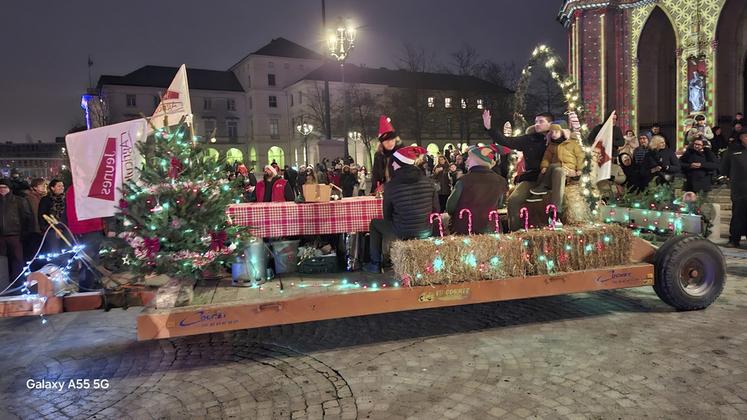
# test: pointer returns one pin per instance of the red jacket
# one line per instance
(76, 226)
(278, 190)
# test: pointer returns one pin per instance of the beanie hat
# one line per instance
(484, 155)
(6, 182)
(408, 155)
(272, 169)
(386, 129)
(556, 127)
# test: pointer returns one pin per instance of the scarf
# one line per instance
(58, 205)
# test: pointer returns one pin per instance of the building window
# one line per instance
(209, 124)
(271, 80)
(291, 99)
(231, 104)
(273, 101)
(479, 104)
(207, 103)
(232, 127)
(464, 104)
(447, 102)
(270, 64)
(274, 132)
(131, 101)
(431, 102)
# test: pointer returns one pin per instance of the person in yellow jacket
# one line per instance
(563, 158)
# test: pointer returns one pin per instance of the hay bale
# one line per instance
(576, 210)
(456, 259)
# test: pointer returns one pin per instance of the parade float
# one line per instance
(179, 227)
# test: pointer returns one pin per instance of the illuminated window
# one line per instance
(479, 104)
(431, 102)
(447, 102)
(464, 104)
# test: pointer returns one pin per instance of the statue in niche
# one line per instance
(696, 92)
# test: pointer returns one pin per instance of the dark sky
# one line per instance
(45, 44)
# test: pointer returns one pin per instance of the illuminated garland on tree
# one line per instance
(543, 55)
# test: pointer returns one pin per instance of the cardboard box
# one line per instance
(316, 193)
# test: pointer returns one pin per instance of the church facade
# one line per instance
(658, 61)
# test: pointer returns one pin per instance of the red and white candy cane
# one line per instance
(469, 219)
(437, 216)
(554, 214)
(524, 213)
(493, 215)
(507, 129)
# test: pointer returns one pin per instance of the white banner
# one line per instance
(101, 160)
(175, 102)
(603, 146)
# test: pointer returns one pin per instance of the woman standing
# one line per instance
(53, 204)
(443, 181)
(362, 182)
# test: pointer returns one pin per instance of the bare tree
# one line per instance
(409, 103)
(315, 105)
(501, 74)
(544, 95)
(365, 112)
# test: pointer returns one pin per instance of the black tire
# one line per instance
(658, 257)
(690, 274)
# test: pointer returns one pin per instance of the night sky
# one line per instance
(45, 44)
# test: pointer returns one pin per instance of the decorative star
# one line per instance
(126, 260)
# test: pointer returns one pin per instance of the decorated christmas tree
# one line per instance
(173, 217)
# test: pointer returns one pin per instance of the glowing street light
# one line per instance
(305, 129)
(340, 43)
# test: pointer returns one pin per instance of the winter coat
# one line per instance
(362, 183)
(348, 182)
(34, 198)
(664, 158)
(382, 170)
(15, 215)
(45, 207)
(568, 153)
(480, 191)
(698, 179)
(718, 144)
(443, 180)
(695, 133)
(279, 190)
(734, 165)
(533, 146)
(409, 198)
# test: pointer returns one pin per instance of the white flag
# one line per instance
(101, 160)
(603, 146)
(175, 102)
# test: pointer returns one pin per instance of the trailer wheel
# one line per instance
(658, 257)
(690, 273)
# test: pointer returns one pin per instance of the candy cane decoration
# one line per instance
(437, 216)
(524, 213)
(507, 129)
(494, 215)
(469, 219)
(554, 214)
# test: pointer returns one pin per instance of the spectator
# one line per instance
(631, 143)
(699, 131)
(15, 220)
(660, 162)
(618, 140)
(739, 118)
(639, 153)
(719, 143)
(348, 181)
(699, 165)
(89, 233)
(630, 170)
(273, 188)
(362, 181)
(443, 182)
(734, 136)
(53, 205)
(656, 131)
(32, 239)
(734, 166)
(408, 200)
(19, 186)
(291, 175)
(460, 166)
(389, 142)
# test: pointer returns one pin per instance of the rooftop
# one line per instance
(159, 76)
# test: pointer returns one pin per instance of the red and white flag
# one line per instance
(603, 146)
(101, 160)
(174, 102)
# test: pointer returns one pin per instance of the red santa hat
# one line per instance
(408, 155)
(242, 170)
(386, 129)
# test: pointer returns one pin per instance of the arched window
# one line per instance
(213, 154)
(234, 155)
(275, 153)
(433, 149)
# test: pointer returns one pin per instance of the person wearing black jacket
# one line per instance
(660, 163)
(348, 181)
(409, 199)
(533, 145)
(734, 166)
(443, 181)
(15, 220)
(719, 142)
(389, 142)
(698, 164)
(618, 140)
(291, 175)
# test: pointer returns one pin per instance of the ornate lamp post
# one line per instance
(340, 43)
(305, 129)
(355, 137)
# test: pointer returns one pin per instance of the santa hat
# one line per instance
(386, 129)
(272, 169)
(408, 155)
(483, 155)
(242, 170)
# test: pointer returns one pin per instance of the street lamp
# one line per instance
(340, 43)
(355, 136)
(305, 129)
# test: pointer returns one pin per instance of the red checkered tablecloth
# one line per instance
(270, 220)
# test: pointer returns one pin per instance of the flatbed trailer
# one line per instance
(687, 273)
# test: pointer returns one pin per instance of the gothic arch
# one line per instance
(731, 60)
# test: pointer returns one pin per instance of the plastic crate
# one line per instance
(318, 265)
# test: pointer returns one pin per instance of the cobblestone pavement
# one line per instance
(620, 354)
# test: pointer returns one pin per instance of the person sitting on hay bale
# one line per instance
(563, 158)
(408, 200)
(480, 191)
(533, 145)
